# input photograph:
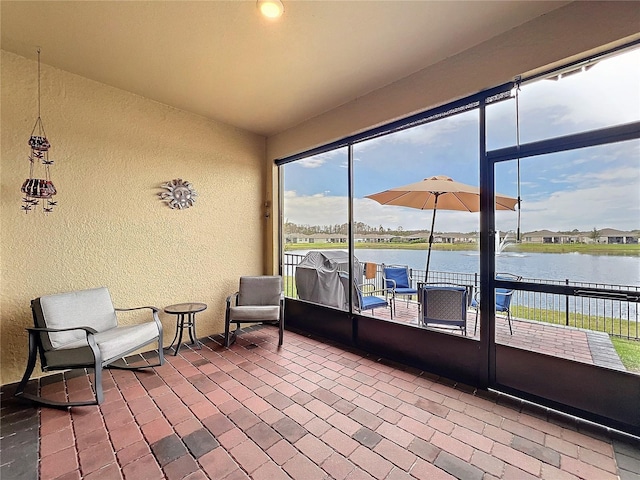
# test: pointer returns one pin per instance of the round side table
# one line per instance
(186, 318)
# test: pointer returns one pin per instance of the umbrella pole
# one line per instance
(433, 222)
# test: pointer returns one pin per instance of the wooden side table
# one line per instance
(186, 318)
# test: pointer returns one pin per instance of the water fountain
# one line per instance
(501, 245)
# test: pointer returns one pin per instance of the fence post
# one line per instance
(566, 303)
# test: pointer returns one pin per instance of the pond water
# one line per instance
(595, 270)
(607, 269)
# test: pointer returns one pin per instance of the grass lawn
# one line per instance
(629, 353)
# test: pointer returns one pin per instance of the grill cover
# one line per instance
(317, 277)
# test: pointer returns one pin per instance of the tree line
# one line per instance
(361, 228)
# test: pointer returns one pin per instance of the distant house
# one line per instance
(415, 237)
(455, 237)
(327, 238)
(612, 236)
(374, 238)
(296, 238)
(542, 236)
(465, 238)
(607, 235)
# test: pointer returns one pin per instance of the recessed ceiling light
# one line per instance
(271, 8)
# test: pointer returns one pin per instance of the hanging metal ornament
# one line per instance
(180, 194)
(38, 189)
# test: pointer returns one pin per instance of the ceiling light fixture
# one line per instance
(271, 8)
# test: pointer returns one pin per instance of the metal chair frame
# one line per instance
(503, 300)
(235, 299)
(360, 295)
(391, 284)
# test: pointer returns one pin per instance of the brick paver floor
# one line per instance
(308, 410)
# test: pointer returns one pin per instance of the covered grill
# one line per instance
(317, 277)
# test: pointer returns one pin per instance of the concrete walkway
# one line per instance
(572, 343)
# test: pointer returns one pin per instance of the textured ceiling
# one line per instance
(222, 60)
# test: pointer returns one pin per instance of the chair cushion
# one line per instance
(118, 342)
(399, 275)
(502, 302)
(406, 291)
(254, 313)
(260, 290)
(371, 301)
(68, 358)
(86, 308)
(503, 299)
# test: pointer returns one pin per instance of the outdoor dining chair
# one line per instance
(397, 280)
(444, 306)
(503, 299)
(365, 296)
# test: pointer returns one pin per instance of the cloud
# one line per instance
(318, 209)
(607, 94)
(606, 205)
(432, 133)
(602, 206)
(625, 175)
(319, 160)
(322, 209)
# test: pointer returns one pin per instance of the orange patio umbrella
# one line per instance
(439, 192)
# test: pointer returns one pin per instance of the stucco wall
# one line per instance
(112, 151)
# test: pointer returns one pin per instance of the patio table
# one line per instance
(186, 318)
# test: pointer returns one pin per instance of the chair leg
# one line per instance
(281, 322)
(160, 350)
(229, 336)
(31, 363)
(97, 369)
(97, 376)
(475, 327)
(20, 393)
(509, 320)
(226, 329)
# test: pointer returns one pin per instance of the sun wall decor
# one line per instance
(180, 194)
(38, 189)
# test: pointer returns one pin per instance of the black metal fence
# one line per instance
(617, 317)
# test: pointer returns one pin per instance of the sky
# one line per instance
(597, 187)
